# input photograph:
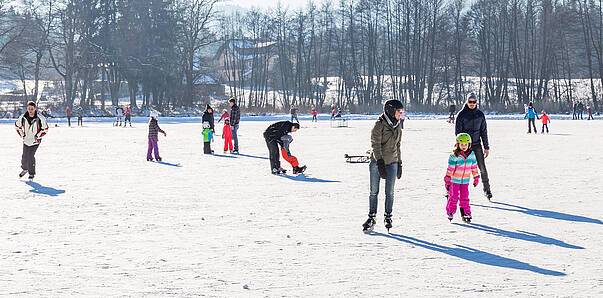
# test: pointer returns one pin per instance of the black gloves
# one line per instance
(399, 169)
(381, 168)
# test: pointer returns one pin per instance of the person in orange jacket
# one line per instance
(68, 113)
(227, 135)
(545, 121)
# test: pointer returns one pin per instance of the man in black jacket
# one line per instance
(235, 118)
(273, 135)
(472, 121)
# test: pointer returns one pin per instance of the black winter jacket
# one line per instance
(473, 122)
(235, 115)
(277, 130)
(209, 117)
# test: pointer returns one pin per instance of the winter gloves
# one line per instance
(447, 182)
(475, 181)
(381, 168)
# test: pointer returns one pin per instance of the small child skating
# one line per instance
(225, 115)
(208, 137)
(314, 114)
(545, 121)
(461, 165)
(286, 153)
(227, 136)
(154, 130)
(590, 112)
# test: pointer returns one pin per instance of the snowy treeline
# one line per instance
(421, 52)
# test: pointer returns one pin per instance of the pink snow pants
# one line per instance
(458, 191)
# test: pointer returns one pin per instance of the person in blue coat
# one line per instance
(531, 115)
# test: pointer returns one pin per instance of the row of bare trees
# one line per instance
(357, 53)
(95, 46)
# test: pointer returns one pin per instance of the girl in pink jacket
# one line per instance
(462, 164)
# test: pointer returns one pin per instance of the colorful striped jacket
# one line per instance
(460, 168)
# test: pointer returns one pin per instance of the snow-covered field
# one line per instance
(101, 221)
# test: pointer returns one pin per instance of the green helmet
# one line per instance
(463, 138)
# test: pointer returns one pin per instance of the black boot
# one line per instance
(388, 221)
(369, 224)
(299, 170)
(488, 193)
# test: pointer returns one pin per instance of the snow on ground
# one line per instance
(99, 220)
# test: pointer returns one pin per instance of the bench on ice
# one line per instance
(339, 122)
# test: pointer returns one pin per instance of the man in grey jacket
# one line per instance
(386, 160)
(31, 127)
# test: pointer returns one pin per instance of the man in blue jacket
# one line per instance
(472, 121)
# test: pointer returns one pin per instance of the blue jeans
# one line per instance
(390, 182)
(235, 137)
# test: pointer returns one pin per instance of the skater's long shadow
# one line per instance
(252, 156)
(225, 156)
(304, 178)
(45, 190)
(473, 255)
(169, 164)
(521, 235)
(543, 213)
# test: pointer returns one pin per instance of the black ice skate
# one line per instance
(488, 194)
(369, 224)
(22, 173)
(299, 170)
(388, 221)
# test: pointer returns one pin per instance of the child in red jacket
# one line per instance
(286, 141)
(545, 121)
(227, 135)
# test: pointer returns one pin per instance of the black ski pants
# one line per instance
(275, 162)
(28, 159)
(532, 123)
(481, 164)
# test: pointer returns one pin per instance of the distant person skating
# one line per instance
(386, 161)
(68, 113)
(31, 127)
(452, 111)
(235, 118)
(531, 115)
(80, 113)
(154, 131)
(580, 110)
(590, 112)
(288, 156)
(128, 116)
(293, 111)
(119, 114)
(575, 111)
(333, 112)
(462, 164)
(472, 121)
(314, 114)
(273, 135)
(545, 121)
(227, 136)
(208, 116)
(208, 137)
